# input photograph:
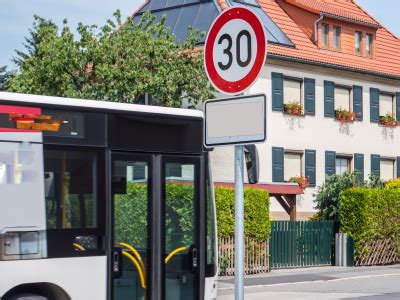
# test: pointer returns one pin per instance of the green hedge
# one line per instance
(256, 213)
(131, 213)
(368, 214)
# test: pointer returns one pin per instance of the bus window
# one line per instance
(70, 189)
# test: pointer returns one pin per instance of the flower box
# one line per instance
(301, 181)
(389, 120)
(344, 116)
(293, 108)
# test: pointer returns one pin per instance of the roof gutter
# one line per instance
(316, 28)
(332, 66)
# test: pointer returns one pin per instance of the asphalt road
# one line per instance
(380, 283)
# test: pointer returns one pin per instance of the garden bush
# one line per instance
(370, 214)
(256, 213)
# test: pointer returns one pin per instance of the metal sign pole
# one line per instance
(239, 223)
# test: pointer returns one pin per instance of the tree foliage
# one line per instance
(327, 197)
(5, 77)
(115, 62)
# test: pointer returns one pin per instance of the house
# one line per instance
(335, 62)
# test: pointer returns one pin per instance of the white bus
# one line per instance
(103, 200)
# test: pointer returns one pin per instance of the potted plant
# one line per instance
(344, 115)
(294, 108)
(389, 120)
(301, 181)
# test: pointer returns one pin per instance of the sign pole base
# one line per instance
(239, 223)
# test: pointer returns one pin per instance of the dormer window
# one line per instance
(325, 35)
(336, 37)
(358, 42)
(369, 44)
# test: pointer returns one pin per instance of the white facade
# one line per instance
(316, 132)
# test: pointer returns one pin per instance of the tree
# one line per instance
(5, 77)
(33, 40)
(116, 62)
(327, 197)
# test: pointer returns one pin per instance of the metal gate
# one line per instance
(302, 243)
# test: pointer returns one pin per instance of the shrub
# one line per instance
(368, 214)
(393, 185)
(131, 214)
(256, 213)
(327, 197)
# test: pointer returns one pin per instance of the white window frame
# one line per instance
(348, 159)
(337, 38)
(285, 165)
(393, 166)
(325, 35)
(343, 87)
(356, 34)
(382, 112)
(292, 79)
(371, 38)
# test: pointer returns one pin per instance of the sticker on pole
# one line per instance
(235, 50)
(235, 121)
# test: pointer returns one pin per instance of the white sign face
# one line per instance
(235, 50)
(239, 120)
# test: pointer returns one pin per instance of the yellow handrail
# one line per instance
(135, 262)
(78, 246)
(135, 252)
(168, 258)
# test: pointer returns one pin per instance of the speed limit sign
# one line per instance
(235, 50)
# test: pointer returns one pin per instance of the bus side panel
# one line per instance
(21, 186)
(81, 278)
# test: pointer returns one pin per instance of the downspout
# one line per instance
(316, 28)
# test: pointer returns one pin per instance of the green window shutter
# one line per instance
(330, 163)
(398, 106)
(376, 165)
(310, 161)
(374, 105)
(277, 91)
(398, 167)
(358, 102)
(359, 166)
(309, 96)
(329, 99)
(277, 164)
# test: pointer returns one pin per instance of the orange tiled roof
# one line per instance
(343, 9)
(387, 48)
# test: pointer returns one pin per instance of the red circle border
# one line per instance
(235, 87)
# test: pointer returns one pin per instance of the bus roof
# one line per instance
(97, 104)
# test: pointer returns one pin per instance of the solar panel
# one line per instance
(200, 14)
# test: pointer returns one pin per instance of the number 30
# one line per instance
(228, 52)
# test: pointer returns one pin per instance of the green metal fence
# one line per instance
(301, 243)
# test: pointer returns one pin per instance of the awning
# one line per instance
(272, 188)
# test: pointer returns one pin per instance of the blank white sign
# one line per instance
(239, 120)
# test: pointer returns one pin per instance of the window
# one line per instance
(292, 165)
(325, 35)
(336, 37)
(70, 189)
(342, 98)
(291, 90)
(369, 44)
(343, 165)
(387, 169)
(385, 104)
(357, 42)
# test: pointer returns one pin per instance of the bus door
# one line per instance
(155, 227)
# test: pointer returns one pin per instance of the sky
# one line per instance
(16, 17)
